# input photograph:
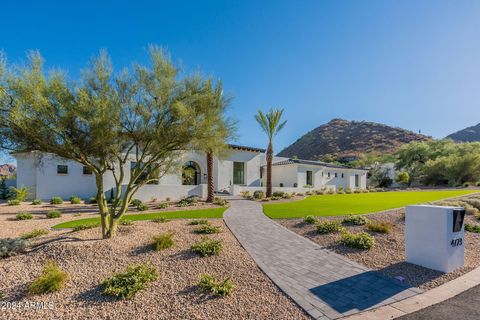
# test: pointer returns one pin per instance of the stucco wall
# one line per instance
(26, 173)
(286, 175)
(224, 168)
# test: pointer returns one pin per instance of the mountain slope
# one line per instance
(466, 135)
(343, 138)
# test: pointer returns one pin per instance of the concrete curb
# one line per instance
(420, 301)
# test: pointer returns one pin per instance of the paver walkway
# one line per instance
(325, 284)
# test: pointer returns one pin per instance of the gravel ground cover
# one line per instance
(89, 260)
(388, 254)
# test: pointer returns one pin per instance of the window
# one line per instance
(357, 181)
(336, 175)
(261, 172)
(87, 170)
(191, 173)
(309, 178)
(238, 173)
(322, 173)
(342, 175)
(146, 174)
(62, 169)
(328, 174)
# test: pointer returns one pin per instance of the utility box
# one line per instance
(434, 237)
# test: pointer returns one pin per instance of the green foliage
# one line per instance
(136, 202)
(379, 177)
(245, 194)
(259, 194)
(125, 222)
(472, 228)
(34, 233)
(52, 214)
(163, 241)
(142, 207)
(220, 202)
(19, 194)
(75, 200)
(207, 247)
(403, 178)
(208, 229)
(92, 200)
(24, 216)
(52, 279)
(3, 188)
(11, 247)
(86, 226)
(356, 220)
(56, 200)
(210, 284)
(329, 227)
(278, 194)
(187, 202)
(310, 219)
(13, 202)
(163, 205)
(197, 222)
(380, 226)
(358, 240)
(330, 191)
(36, 202)
(126, 285)
(161, 219)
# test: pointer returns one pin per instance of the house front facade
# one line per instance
(241, 169)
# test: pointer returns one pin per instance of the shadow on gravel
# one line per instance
(94, 296)
(40, 245)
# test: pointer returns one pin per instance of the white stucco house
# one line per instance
(243, 168)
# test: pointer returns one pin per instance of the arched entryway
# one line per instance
(191, 174)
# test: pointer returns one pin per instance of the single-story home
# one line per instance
(243, 168)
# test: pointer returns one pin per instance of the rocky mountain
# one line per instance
(466, 135)
(7, 169)
(345, 139)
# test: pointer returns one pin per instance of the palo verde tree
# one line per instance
(146, 115)
(271, 124)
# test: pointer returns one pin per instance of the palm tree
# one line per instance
(271, 125)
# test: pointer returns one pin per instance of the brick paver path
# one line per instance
(325, 284)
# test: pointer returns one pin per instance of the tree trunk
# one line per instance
(269, 169)
(211, 187)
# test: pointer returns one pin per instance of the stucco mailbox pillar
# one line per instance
(434, 237)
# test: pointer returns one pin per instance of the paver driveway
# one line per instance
(325, 284)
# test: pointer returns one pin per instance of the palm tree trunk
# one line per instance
(210, 187)
(269, 169)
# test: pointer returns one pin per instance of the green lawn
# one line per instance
(181, 214)
(342, 204)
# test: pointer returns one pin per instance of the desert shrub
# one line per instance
(34, 233)
(11, 247)
(163, 205)
(92, 200)
(473, 202)
(75, 200)
(126, 285)
(467, 184)
(357, 191)
(340, 189)
(207, 247)
(167, 199)
(19, 194)
(278, 194)
(36, 202)
(286, 195)
(161, 219)
(86, 226)
(472, 228)
(220, 202)
(259, 194)
(13, 202)
(329, 227)
(56, 200)
(300, 194)
(275, 198)
(142, 207)
(208, 229)
(330, 191)
(125, 222)
(24, 216)
(52, 279)
(245, 194)
(319, 192)
(197, 222)
(380, 226)
(265, 199)
(136, 202)
(348, 190)
(211, 285)
(358, 240)
(163, 241)
(356, 220)
(309, 193)
(53, 214)
(308, 186)
(186, 202)
(310, 219)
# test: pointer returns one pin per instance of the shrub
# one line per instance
(13, 202)
(36, 202)
(319, 192)
(163, 241)
(220, 202)
(275, 198)
(329, 227)
(245, 194)
(472, 228)
(310, 219)
(126, 285)
(185, 202)
(92, 200)
(331, 191)
(53, 214)
(24, 216)
(308, 186)
(142, 207)
(356, 220)
(300, 194)
(359, 240)
(11, 247)
(86, 226)
(125, 222)
(52, 279)
(259, 194)
(380, 226)
(75, 200)
(348, 190)
(207, 247)
(208, 229)
(357, 191)
(286, 195)
(210, 284)
(167, 199)
(197, 222)
(309, 193)
(56, 200)
(467, 184)
(136, 202)
(278, 194)
(340, 189)
(161, 219)
(34, 233)
(473, 202)
(163, 205)
(19, 194)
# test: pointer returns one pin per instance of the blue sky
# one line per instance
(412, 64)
